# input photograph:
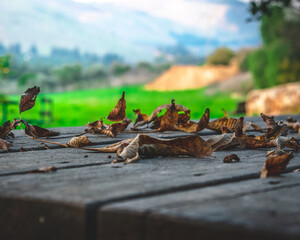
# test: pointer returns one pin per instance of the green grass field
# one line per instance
(76, 108)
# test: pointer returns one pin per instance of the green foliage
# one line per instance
(68, 74)
(4, 66)
(25, 78)
(277, 62)
(119, 69)
(221, 56)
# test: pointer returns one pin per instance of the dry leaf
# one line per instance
(238, 129)
(183, 118)
(231, 158)
(79, 142)
(221, 142)
(147, 146)
(140, 117)
(193, 127)
(178, 107)
(5, 145)
(282, 142)
(115, 128)
(169, 119)
(96, 124)
(44, 170)
(218, 124)
(7, 127)
(28, 99)
(275, 165)
(253, 143)
(274, 129)
(118, 113)
(37, 132)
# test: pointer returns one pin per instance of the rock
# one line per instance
(282, 99)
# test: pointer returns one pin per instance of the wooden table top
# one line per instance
(159, 198)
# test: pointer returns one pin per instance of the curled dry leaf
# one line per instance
(218, 124)
(7, 127)
(37, 132)
(274, 129)
(140, 117)
(28, 99)
(169, 119)
(79, 142)
(146, 146)
(276, 164)
(5, 145)
(115, 128)
(221, 142)
(184, 118)
(192, 127)
(44, 170)
(231, 158)
(289, 142)
(96, 124)
(118, 113)
(178, 108)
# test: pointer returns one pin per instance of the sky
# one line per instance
(135, 29)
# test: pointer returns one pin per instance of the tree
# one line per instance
(278, 60)
(221, 56)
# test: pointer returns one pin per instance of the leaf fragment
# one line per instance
(28, 99)
(79, 142)
(44, 170)
(274, 165)
(118, 113)
(231, 158)
(140, 117)
(7, 127)
(5, 145)
(37, 132)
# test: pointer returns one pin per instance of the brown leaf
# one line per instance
(238, 129)
(256, 127)
(218, 124)
(282, 142)
(184, 118)
(276, 164)
(156, 123)
(169, 119)
(7, 127)
(294, 125)
(147, 146)
(231, 158)
(79, 142)
(44, 170)
(220, 142)
(274, 129)
(28, 98)
(193, 127)
(253, 143)
(178, 107)
(118, 113)
(96, 124)
(5, 145)
(37, 132)
(140, 117)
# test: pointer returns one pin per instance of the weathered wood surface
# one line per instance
(161, 198)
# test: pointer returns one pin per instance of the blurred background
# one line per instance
(243, 56)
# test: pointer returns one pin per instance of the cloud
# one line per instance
(203, 16)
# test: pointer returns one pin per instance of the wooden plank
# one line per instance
(254, 209)
(87, 188)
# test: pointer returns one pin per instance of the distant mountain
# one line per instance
(136, 30)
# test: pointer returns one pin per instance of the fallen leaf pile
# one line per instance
(234, 134)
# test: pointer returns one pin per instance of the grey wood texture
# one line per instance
(86, 194)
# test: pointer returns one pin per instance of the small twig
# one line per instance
(44, 141)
